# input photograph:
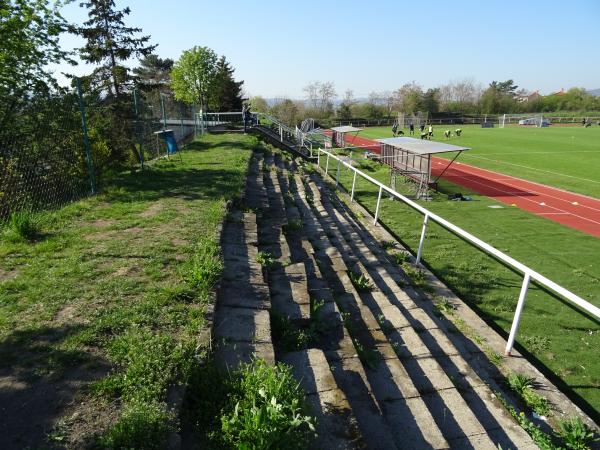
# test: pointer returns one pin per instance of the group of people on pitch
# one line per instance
(424, 134)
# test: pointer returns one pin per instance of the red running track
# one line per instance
(573, 210)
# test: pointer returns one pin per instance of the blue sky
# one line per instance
(278, 47)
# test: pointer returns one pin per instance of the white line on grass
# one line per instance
(533, 168)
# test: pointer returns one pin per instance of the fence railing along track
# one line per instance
(528, 273)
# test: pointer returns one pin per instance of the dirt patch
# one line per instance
(178, 242)
(66, 315)
(130, 271)
(102, 223)
(6, 275)
(153, 210)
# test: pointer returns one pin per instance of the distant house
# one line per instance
(524, 96)
(559, 93)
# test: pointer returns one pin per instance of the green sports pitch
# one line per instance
(566, 157)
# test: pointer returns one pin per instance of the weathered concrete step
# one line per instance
(337, 428)
(379, 384)
(368, 334)
(289, 292)
(429, 357)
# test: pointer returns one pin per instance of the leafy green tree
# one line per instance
(259, 104)
(193, 75)
(226, 93)
(109, 43)
(29, 41)
(499, 97)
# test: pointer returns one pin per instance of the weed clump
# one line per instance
(360, 281)
(22, 226)
(258, 406)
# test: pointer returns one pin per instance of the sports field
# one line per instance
(559, 156)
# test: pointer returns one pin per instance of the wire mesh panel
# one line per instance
(42, 160)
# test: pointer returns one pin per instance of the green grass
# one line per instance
(107, 303)
(561, 339)
(564, 157)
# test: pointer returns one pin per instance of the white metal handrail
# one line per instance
(303, 140)
(529, 274)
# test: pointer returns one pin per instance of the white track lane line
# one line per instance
(533, 201)
(504, 180)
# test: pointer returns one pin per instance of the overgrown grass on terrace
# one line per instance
(560, 338)
(101, 310)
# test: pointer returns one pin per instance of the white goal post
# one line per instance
(524, 119)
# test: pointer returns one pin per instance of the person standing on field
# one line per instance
(411, 128)
(430, 131)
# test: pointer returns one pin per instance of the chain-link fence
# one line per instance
(42, 163)
(56, 149)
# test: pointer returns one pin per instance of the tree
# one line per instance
(259, 104)
(344, 111)
(408, 97)
(109, 43)
(29, 41)
(499, 97)
(326, 97)
(430, 100)
(311, 91)
(226, 93)
(193, 75)
(154, 74)
(286, 111)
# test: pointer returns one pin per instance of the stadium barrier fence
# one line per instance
(528, 273)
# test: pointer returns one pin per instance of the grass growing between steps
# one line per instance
(561, 339)
(256, 407)
(101, 309)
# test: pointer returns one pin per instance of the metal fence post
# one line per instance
(353, 184)
(137, 127)
(422, 241)
(327, 165)
(337, 175)
(517, 318)
(319, 157)
(164, 115)
(377, 207)
(86, 141)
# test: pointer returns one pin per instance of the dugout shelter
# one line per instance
(338, 136)
(412, 159)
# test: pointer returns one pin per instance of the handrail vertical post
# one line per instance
(319, 157)
(517, 318)
(422, 240)
(337, 175)
(353, 185)
(377, 207)
(327, 165)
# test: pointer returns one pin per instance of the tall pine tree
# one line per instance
(109, 43)
(226, 92)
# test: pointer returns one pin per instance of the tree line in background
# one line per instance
(31, 96)
(457, 97)
(35, 111)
